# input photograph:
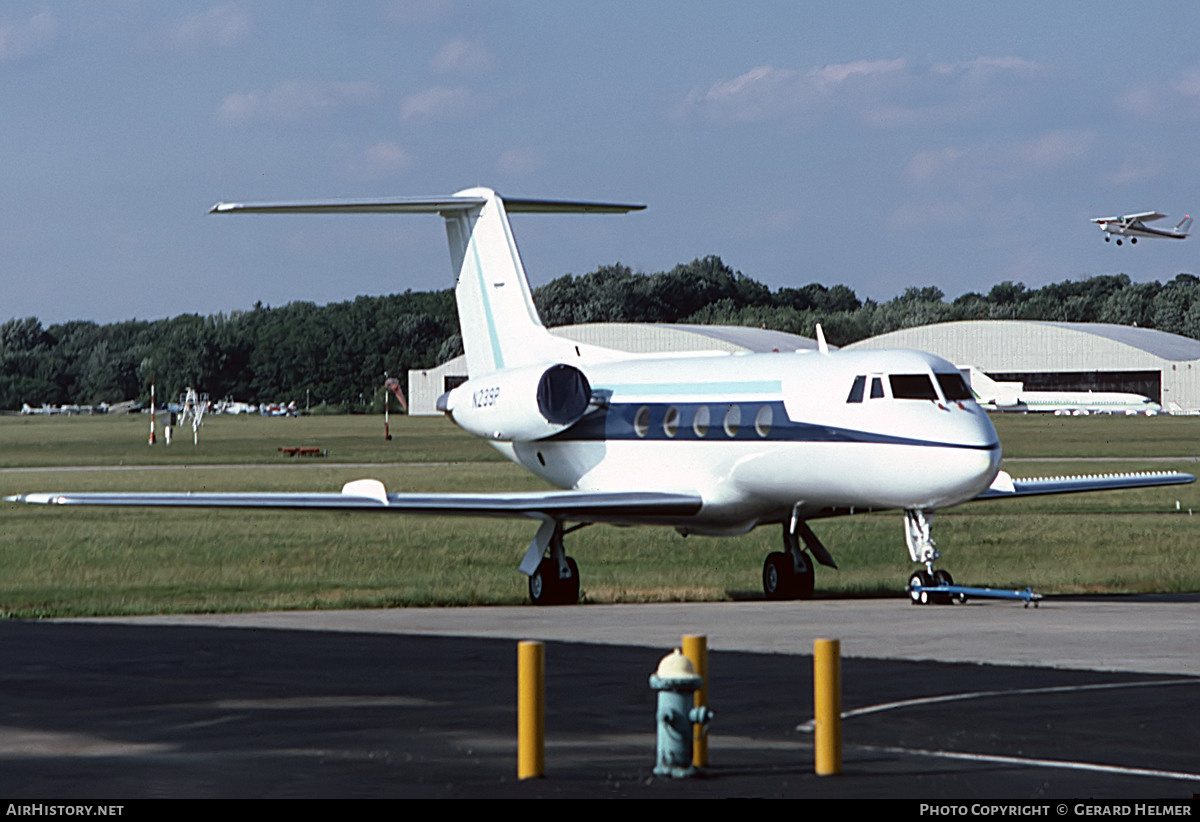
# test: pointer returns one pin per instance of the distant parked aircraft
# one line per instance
(1134, 226)
(1012, 396)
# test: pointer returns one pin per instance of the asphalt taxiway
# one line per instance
(1088, 697)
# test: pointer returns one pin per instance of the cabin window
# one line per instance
(763, 419)
(954, 387)
(856, 390)
(671, 421)
(641, 422)
(701, 421)
(912, 387)
(733, 420)
(876, 388)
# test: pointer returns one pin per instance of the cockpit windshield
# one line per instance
(911, 387)
(954, 387)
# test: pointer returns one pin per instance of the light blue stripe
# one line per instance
(493, 338)
(694, 388)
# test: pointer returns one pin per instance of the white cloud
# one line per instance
(27, 37)
(766, 92)
(990, 65)
(1053, 149)
(462, 56)
(293, 101)
(1129, 173)
(383, 159)
(517, 162)
(882, 93)
(1166, 100)
(930, 165)
(991, 163)
(437, 103)
(222, 26)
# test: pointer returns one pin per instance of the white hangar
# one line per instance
(425, 386)
(1060, 356)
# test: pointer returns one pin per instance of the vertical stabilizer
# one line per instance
(500, 325)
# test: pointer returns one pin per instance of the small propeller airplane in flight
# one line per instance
(1134, 226)
(705, 443)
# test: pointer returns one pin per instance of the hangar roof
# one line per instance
(1160, 344)
(663, 337)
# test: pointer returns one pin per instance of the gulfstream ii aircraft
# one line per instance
(712, 444)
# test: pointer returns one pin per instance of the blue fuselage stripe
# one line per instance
(649, 421)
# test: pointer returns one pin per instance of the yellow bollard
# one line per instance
(695, 648)
(827, 706)
(531, 710)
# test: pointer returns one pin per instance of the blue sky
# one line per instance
(879, 145)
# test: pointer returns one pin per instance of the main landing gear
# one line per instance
(555, 580)
(788, 574)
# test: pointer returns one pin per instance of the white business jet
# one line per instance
(713, 444)
(1134, 226)
(1012, 396)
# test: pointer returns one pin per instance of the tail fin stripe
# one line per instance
(493, 335)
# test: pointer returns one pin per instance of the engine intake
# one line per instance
(521, 404)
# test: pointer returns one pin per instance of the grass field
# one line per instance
(83, 561)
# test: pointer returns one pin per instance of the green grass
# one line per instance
(83, 561)
(231, 440)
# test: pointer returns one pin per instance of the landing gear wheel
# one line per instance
(547, 588)
(778, 577)
(570, 586)
(803, 576)
(941, 577)
(924, 580)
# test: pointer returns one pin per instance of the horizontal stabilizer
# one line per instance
(424, 205)
(1005, 486)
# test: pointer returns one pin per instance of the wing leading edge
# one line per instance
(370, 495)
(1005, 486)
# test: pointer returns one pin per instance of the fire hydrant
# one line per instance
(676, 682)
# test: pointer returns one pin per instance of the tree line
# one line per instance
(337, 354)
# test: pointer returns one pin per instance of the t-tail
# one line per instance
(1184, 225)
(499, 322)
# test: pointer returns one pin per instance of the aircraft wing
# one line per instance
(1130, 219)
(370, 495)
(1144, 217)
(1005, 486)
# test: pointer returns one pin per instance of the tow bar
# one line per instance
(925, 594)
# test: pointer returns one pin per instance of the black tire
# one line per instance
(778, 577)
(924, 580)
(544, 584)
(941, 577)
(803, 577)
(570, 587)
(547, 588)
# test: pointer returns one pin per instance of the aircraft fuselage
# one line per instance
(763, 437)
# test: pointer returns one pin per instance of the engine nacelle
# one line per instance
(521, 404)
